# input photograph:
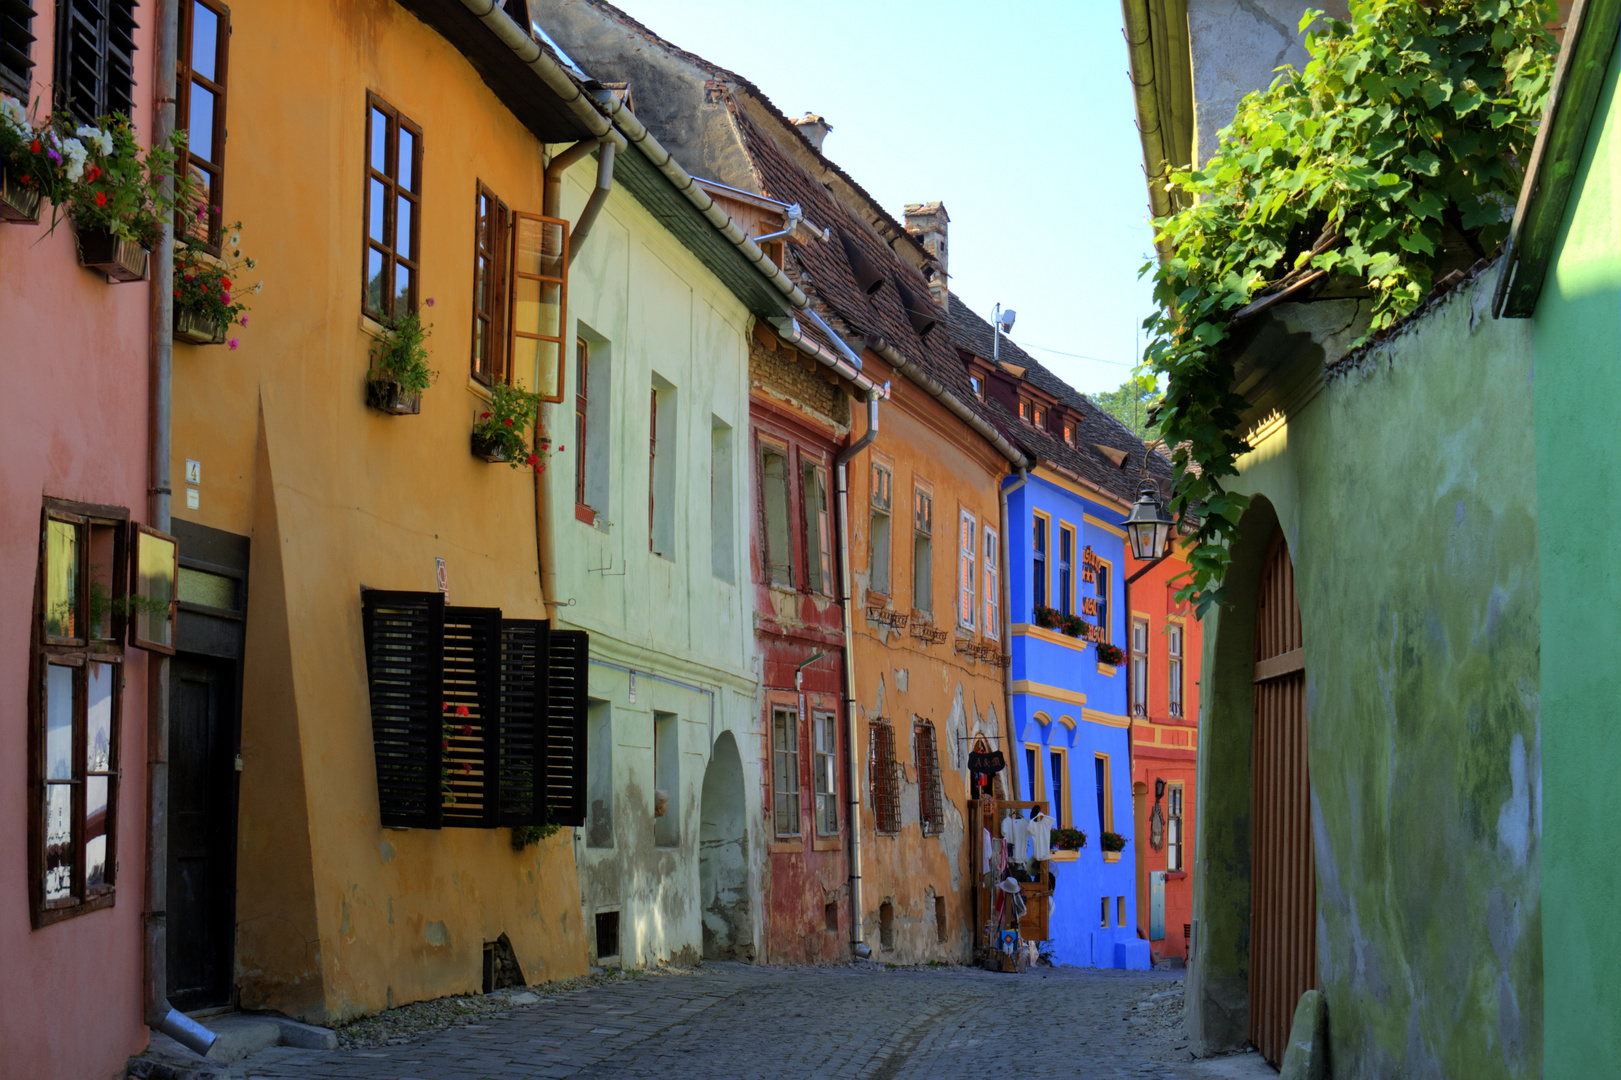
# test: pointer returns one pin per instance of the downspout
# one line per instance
(858, 947)
(1007, 620)
(593, 205)
(160, 1015)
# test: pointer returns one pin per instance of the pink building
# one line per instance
(75, 355)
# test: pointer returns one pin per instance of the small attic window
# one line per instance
(979, 386)
(1069, 432)
(1041, 417)
(1026, 410)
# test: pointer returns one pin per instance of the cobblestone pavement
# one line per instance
(725, 1021)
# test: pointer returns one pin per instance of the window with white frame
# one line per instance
(1173, 828)
(993, 584)
(1139, 667)
(967, 532)
(827, 790)
(1173, 650)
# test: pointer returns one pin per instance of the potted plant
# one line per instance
(206, 299)
(29, 173)
(1113, 655)
(1112, 844)
(1072, 625)
(117, 203)
(399, 370)
(1047, 618)
(498, 434)
(1068, 839)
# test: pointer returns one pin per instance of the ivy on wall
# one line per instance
(1398, 147)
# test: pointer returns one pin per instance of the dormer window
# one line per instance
(1026, 410)
(978, 385)
(1069, 432)
(1041, 417)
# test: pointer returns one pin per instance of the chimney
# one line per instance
(928, 222)
(814, 128)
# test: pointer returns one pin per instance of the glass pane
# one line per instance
(402, 227)
(402, 290)
(103, 560)
(376, 203)
(58, 842)
(98, 746)
(58, 722)
(201, 135)
(548, 368)
(526, 361)
(379, 141)
(540, 248)
(205, 36)
(95, 831)
(374, 280)
(406, 174)
(526, 306)
(61, 578)
(201, 587)
(155, 582)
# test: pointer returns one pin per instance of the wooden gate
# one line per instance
(1283, 913)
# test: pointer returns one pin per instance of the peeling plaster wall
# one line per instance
(1407, 494)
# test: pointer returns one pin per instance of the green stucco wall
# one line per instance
(1406, 490)
(1577, 334)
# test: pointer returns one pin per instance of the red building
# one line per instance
(1163, 661)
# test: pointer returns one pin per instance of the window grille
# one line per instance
(930, 812)
(882, 778)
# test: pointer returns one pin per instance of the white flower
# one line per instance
(76, 156)
(258, 285)
(236, 240)
(103, 141)
(12, 112)
(253, 264)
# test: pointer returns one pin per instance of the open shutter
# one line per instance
(568, 653)
(404, 669)
(470, 714)
(521, 754)
(539, 311)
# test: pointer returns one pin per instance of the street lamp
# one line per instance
(1149, 527)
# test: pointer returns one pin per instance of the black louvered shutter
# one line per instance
(404, 632)
(567, 654)
(95, 57)
(471, 714)
(521, 755)
(16, 48)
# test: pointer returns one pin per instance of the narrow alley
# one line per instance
(733, 1020)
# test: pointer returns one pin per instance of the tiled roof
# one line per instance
(1095, 425)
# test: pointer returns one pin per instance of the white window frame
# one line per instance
(967, 558)
(1139, 666)
(1175, 843)
(1174, 633)
(993, 584)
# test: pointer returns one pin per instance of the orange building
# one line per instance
(1163, 660)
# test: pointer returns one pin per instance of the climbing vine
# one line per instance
(1396, 152)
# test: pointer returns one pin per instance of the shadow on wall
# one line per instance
(723, 887)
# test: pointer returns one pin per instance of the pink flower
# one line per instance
(243, 320)
(191, 277)
(225, 298)
(233, 344)
(429, 301)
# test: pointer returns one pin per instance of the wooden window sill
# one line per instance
(786, 845)
(1107, 669)
(1175, 875)
(827, 843)
(1065, 856)
(584, 513)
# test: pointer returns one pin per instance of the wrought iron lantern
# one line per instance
(1149, 527)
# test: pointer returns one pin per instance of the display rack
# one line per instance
(987, 814)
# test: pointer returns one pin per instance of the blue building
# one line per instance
(1069, 712)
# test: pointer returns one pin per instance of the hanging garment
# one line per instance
(985, 851)
(1016, 831)
(1041, 834)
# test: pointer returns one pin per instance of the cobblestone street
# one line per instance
(735, 1020)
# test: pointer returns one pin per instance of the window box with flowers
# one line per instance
(399, 370)
(114, 194)
(1048, 618)
(1112, 655)
(207, 302)
(28, 175)
(498, 434)
(1112, 844)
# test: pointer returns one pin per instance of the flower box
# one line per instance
(18, 203)
(488, 449)
(389, 397)
(121, 260)
(197, 329)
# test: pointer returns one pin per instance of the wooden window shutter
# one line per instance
(16, 48)
(470, 716)
(404, 634)
(521, 759)
(568, 653)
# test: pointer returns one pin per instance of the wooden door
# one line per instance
(1283, 912)
(203, 726)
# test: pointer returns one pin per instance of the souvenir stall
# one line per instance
(1010, 842)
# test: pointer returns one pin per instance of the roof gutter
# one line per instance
(919, 375)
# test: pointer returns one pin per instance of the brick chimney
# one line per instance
(928, 222)
(815, 128)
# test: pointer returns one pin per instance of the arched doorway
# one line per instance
(723, 874)
(1283, 912)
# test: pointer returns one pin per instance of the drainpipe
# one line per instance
(844, 362)
(858, 947)
(593, 205)
(1007, 619)
(160, 1015)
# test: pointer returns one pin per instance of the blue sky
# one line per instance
(1018, 115)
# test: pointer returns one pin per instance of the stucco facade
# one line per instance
(1404, 485)
(74, 412)
(1071, 732)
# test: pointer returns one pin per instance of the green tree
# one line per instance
(1130, 404)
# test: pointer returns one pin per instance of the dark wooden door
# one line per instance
(1283, 912)
(203, 725)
